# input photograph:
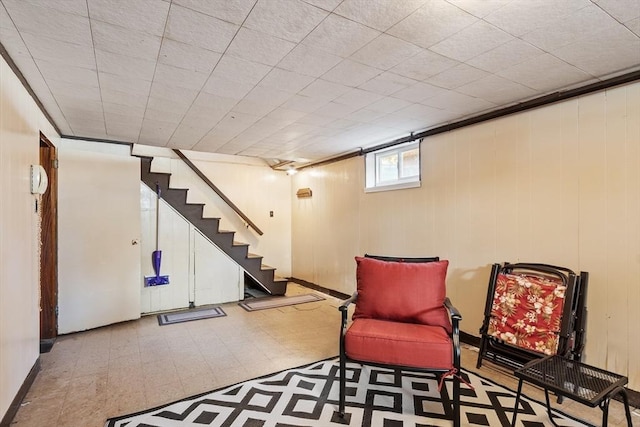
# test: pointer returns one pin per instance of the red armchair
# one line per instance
(402, 319)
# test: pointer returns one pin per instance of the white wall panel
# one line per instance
(218, 278)
(559, 184)
(20, 124)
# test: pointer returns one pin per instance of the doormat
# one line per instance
(189, 315)
(274, 302)
(376, 397)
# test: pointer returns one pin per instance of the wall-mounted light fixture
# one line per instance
(303, 192)
(292, 171)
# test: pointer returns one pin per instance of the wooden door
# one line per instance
(49, 243)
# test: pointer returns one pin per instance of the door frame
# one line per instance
(49, 243)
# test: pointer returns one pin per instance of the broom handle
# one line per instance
(158, 192)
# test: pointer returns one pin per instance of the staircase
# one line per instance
(256, 272)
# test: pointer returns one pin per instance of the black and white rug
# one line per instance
(308, 396)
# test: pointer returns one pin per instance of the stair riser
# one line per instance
(177, 198)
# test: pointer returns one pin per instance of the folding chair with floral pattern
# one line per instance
(532, 311)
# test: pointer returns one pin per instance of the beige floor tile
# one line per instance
(124, 368)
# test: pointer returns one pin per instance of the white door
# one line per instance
(99, 234)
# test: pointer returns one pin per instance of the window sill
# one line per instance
(390, 187)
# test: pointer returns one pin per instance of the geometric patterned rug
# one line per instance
(308, 396)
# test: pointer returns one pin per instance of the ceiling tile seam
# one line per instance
(210, 74)
(41, 75)
(95, 59)
(386, 29)
(214, 16)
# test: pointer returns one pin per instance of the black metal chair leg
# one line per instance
(515, 409)
(625, 400)
(605, 411)
(343, 380)
(456, 401)
(546, 395)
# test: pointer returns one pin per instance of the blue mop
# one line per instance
(156, 256)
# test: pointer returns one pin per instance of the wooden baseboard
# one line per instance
(318, 288)
(26, 385)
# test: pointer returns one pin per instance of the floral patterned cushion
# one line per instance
(527, 311)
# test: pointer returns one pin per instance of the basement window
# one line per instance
(393, 168)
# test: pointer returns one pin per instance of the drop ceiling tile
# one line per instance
(123, 120)
(209, 101)
(235, 11)
(88, 92)
(180, 107)
(378, 14)
(634, 25)
(285, 114)
(323, 89)
(480, 8)
(350, 73)
(287, 81)
(156, 133)
(287, 19)
(305, 104)
(471, 41)
(124, 98)
(424, 65)
(358, 98)
(388, 105)
(174, 116)
(621, 10)
(195, 28)
(226, 88)
(387, 83)
(457, 76)
(169, 91)
(497, 90)
(182, 55)
(124, 109)
(247, 106)
(240, 70)
(116, 39)
(259, 47)
(458, 103)
(504, 56)
(76, 7)
(53, 50)
(179, 77)
(340, 36)
(203, 117)
(510, 17)
(586, 23)
(617, 49)
(267, 95)
(545, 73)
(126, 66)
(147, 15)
(385, 52)
(134, 87)
(45, 22)
(419, 92)
(78, 113)
(365, 116)
(308, 60)
(186, 136)
(68, 73)
(433, 22)
(315, 120)
(335, 110)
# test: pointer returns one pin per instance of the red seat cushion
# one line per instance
(403, 292)
(395, 343)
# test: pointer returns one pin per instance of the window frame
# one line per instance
(372, 168)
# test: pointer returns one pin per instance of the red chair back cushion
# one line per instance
(402, 292)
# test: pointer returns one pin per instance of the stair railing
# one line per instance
(218, 191)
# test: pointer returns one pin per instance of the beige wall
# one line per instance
(20, 124)
(559, 185)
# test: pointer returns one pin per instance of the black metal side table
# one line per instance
(577, 381)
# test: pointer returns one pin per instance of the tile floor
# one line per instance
(91, 376)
